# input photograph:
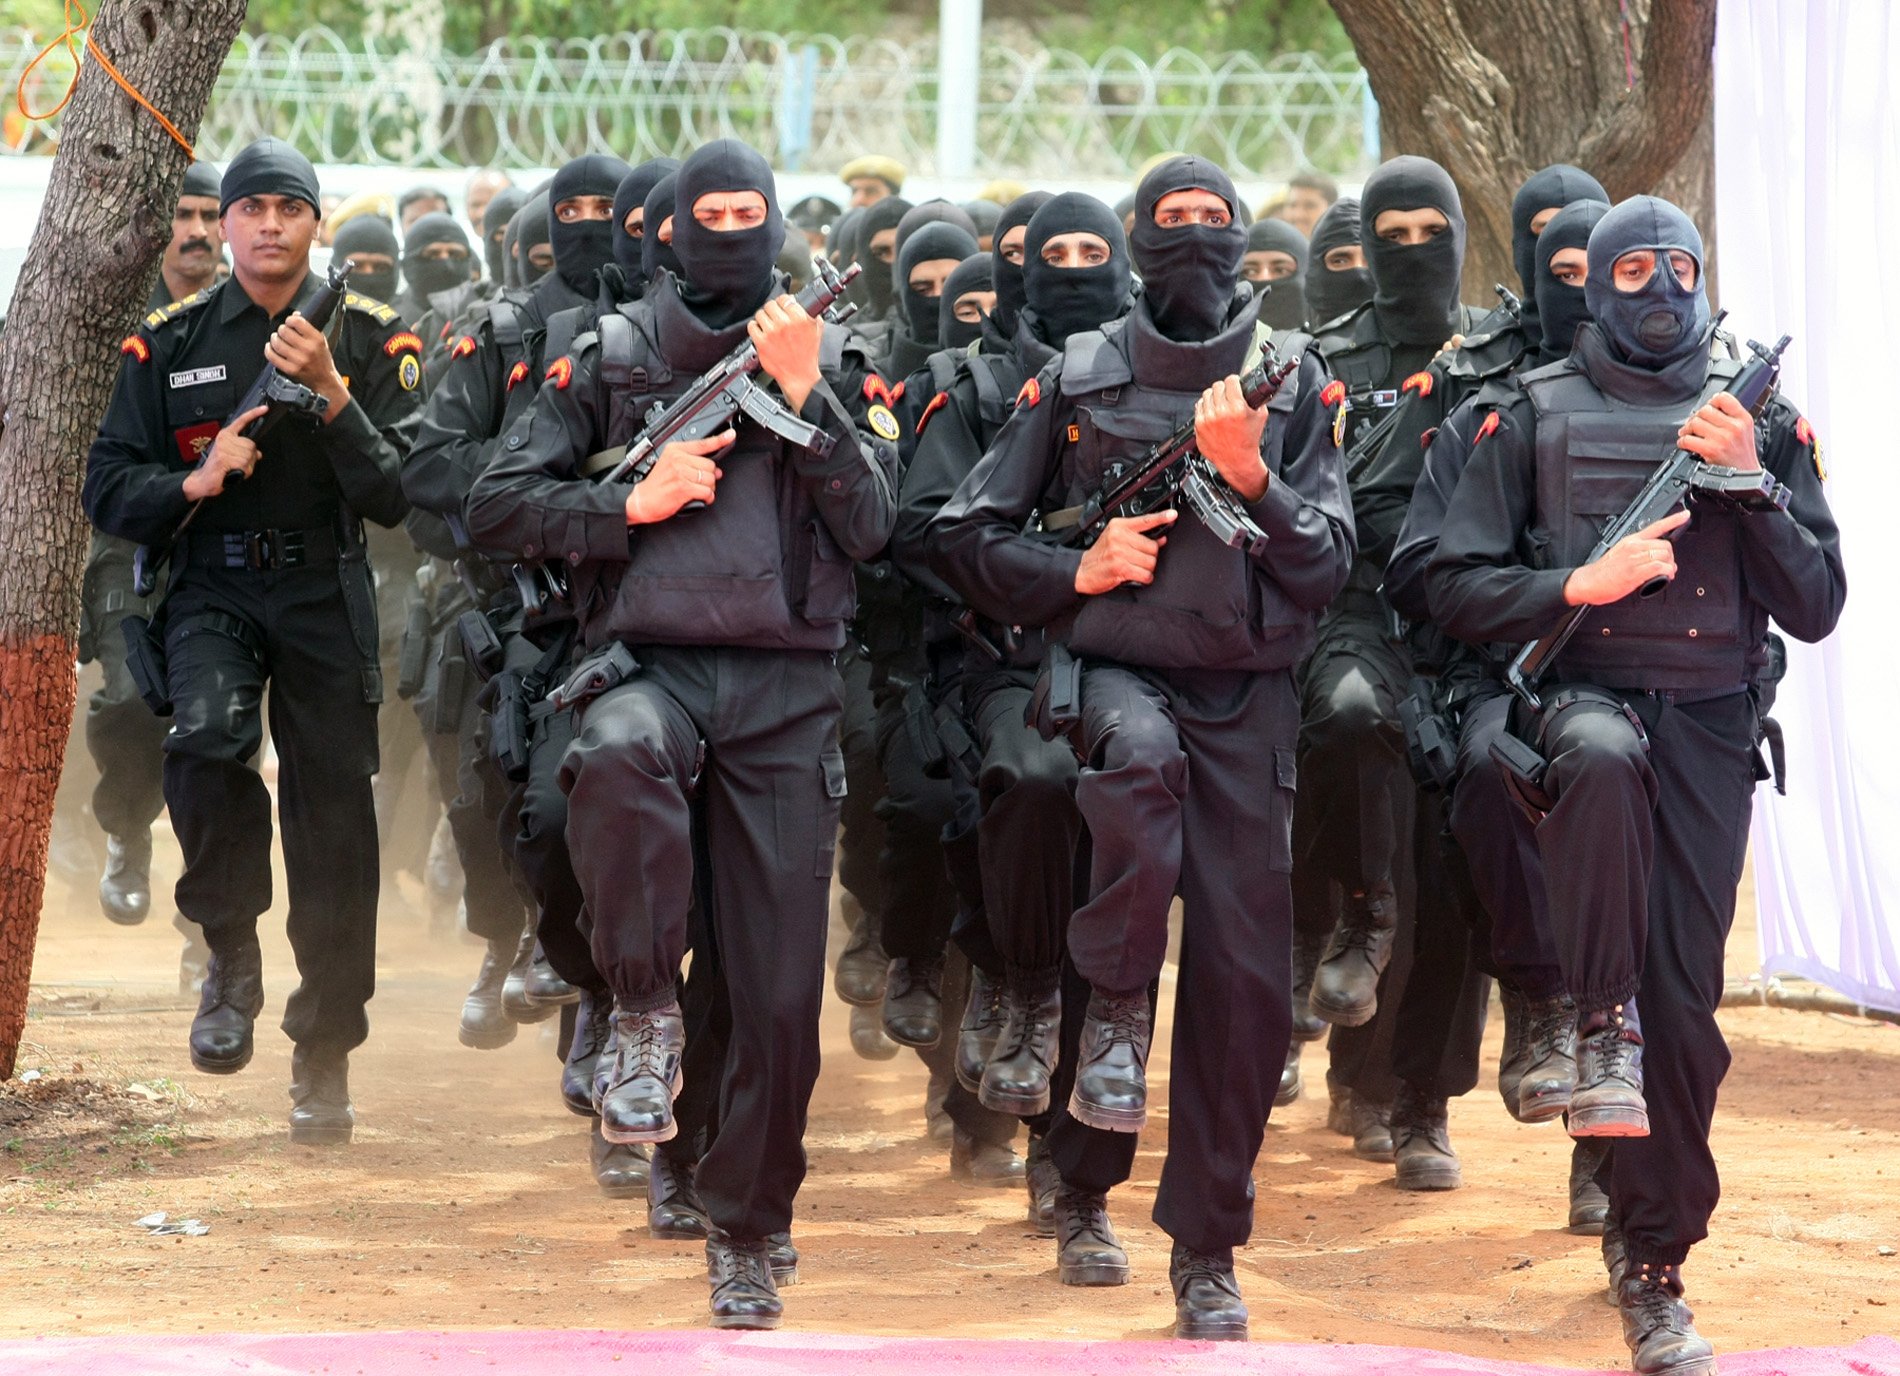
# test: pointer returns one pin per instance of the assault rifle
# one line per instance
(1175, 467)
(1678, 479)
(282, 396)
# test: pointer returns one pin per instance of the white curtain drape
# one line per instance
(1807, 131)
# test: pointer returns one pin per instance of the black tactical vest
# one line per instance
(1594, 452)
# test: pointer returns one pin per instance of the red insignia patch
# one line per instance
(897, 393)
(1030, 394)
(462, 347)
(1333, 393)
(396, 343)
(142, 351)
(519, 373)
(937, 403)
(1488, 428)
(1418, 382)
(194, 440)
(447, 325)
(875, 390)
(561, 372)
(1802, 430)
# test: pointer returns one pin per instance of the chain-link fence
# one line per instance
(807, 101)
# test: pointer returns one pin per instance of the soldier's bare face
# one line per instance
(1192, 206)
(725, 211)
(270, 236)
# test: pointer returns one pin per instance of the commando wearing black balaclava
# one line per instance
(654, 255)
(1557, 185)
(729, 274)
(1282, 302)
(583, 247)
(499, 211)
(1331, 294)
(629, 252)
(935, 212)
(928, 244)
(427, 276)
(1561, 308)
(1662, 324)
(1066, 301)
(880, 279)
(368, 234)
(1008, 275)
(1415, 286)
(972, 274)
(1188, 272)
(527, 232)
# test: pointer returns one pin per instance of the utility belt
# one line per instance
(258, 550)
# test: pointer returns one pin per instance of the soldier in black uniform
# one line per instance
(1651, 718)
(122, 734)
(1336, 281)
(501, 209)
(269, 584)
(928, 257)
(711, 634)
(1276, 265)
(1186, 649)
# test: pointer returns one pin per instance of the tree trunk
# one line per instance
(102, 229)
(1495, 89)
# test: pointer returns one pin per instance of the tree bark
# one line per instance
(1495, 89)
(95, 252)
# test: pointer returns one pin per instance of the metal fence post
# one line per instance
(959, 41)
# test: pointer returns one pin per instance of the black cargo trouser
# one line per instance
(861, 844)
(125, 737)
(535, 831)
(1438, 1028)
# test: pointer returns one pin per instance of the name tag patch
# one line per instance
(1385, 399)
(197, 377)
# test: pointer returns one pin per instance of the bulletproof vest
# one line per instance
(758, 567)
(1209, 606)
(1594, 452)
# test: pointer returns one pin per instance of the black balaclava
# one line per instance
(427, 276)
(1188, 272)
(1330, 294)
(931, 213)
(1662, 324)
(879, 280)
(1066, 301)
(983, 214)
(530, 232)
(729, 274)
(972, 274)
(1008, 275)
(1556, 185)
(654, 255)
(632, 192)
(583, 247)
(269, 167)
(1282, 303)
(496, 214)
(1561, 308)
(368, 234)
(841, 245)
(933, 241)
(1415, 286)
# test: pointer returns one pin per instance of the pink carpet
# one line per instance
(802, 1354)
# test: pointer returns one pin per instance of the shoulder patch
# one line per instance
(1333, 393)
(1804, 432)
(1031, 393)
(1418, 382)
(396, 343)
(937, 403)
(409, 372)
(462, 347)
(883, 424)
(139, 349)
(447, 325)
(876, 390)
(561, 372)
(519, 373)
(1489, 427)
(897, 393)
(376, 310)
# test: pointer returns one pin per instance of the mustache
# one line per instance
(190, 244)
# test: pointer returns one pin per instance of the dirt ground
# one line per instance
(466, 1200)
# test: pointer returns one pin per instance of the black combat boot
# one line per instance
(867, 1034)
(514, 989)
(1514, 1055)
(674, 1212)
(1608, 1100)
(1589, 1206)
(125, 889)
(1658, 1326)
(620, 1171)
(638, 1104)
(545, 989)
(1346, 986)
(227, 1010)
(859, 978)
(1550, 1061)
(1616, 1255)
(1338, 1105)
(1039, 1174)
(913, 1002)
(1371, 1128)
(1421, 1142)
(1308, 947)
(320, 1112)
(591, 1022)
(1111, 1071)
(744, 1295)
(484, 1025)
(1291, 1082)
(194, 961)
(1207, 1303)
(984, 1163)
(1024, 1059)
(783, 1257)
(1087, 1250)
(983, 1018)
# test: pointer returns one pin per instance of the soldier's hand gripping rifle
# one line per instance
(280, 396)
(1175, 467)
(1677, 479)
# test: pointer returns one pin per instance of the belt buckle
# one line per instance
(257, 549)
